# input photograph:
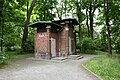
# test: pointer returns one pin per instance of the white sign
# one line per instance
(42, 35)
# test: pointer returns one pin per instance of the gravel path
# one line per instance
(29, 69)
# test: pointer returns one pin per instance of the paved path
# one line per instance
(29, 69)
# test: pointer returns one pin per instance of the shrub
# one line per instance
(29, 47)
(87, 45)
(117, 47)
(103, 47)
(3, 57)
(9, 42)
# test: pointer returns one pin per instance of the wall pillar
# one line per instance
(48, 54)
(75, 43)
(67, 37)
(59, 44)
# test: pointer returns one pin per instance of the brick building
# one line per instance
(54, 39)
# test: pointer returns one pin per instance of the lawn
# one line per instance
(13, 55)
(105, 67)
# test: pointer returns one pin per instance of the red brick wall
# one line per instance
(64, 40)
(41, 45)
(72, 36)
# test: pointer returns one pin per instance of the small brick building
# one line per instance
(54, 39)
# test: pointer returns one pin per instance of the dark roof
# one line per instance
(55, 23)
(74, 21)
(43, 23)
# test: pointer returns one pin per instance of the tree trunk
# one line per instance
(1, 22)
(80, 31)
(25, 33)
(106, 8)
(79, 19)
(91, 20)
(87, 23)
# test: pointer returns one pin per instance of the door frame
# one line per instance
(53, 47)
(70, 45)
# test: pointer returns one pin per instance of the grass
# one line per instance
(12, 56)
(99, 52)
(105, 67)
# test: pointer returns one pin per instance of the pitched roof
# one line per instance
(44, 23)
(55, 23)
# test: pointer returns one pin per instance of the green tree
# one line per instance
(25, 33)
(106, 8)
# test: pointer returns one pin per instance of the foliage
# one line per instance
(44, 10)
(29, 45)
(103, 40)
(107, 68)
(13, 55)
(8, 56)
(103, 47)
(3, 58)
(87, 45)
(9, 42)
(13, 19)
(117, 47)
(15, 15)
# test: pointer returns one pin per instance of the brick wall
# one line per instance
(72, 36)
(64, 42)
(41, 45)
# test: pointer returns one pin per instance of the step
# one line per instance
(59, 58)
(79, 57)
(73, 56)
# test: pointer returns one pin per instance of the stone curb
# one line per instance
(91, 72)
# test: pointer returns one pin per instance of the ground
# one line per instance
(27, 68)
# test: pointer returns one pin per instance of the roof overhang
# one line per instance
(44, 23)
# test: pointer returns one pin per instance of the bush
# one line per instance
(3, 57)
(103, 47)
(29, 47)
(87, 45)
(9, 42)
(117, 47)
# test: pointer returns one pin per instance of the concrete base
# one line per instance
(42, 55)
(75, 57)
(59, 58)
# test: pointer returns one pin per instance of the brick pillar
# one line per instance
(67, 37)
(59, 44)
(48, 54)
(74, 41)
